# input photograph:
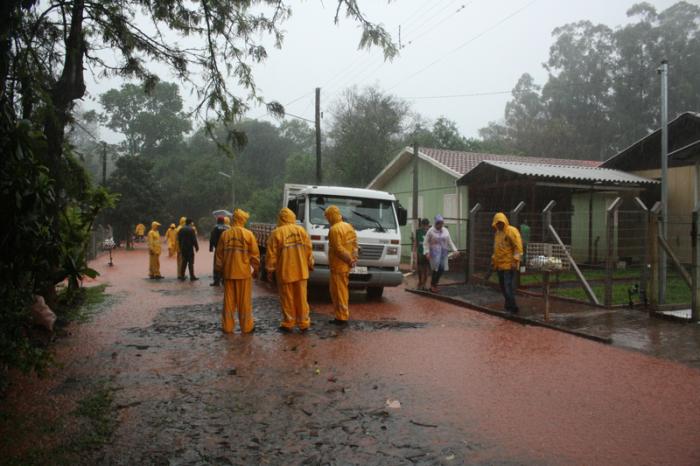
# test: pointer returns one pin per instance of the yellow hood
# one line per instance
(154, 225)
(500, 217)
(285, 217)
(240, 217)
(333, 214)
(182, 221)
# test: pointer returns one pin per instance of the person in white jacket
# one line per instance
(437, 246)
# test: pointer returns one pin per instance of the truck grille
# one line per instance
(371, 252)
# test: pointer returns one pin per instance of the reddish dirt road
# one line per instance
(473, 389)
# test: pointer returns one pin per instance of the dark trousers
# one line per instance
(436, 276)
(187, 263)
(506, 279)
(216, 277)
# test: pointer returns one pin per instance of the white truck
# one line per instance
(376, 216)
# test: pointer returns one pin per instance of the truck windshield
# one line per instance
(363, 214)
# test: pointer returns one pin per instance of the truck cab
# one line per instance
(376, 217)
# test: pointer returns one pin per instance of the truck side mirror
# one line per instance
(402, 213)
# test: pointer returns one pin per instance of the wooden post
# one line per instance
(653, 247)
(471, 243)
(611, 226)
(547, 219)
(695, 290)
(643, 276)
(545, 292)
(514, 217)
(586, 287)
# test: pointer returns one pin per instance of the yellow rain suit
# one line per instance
(227, 220)
(237, 260)
(177, 248)
(154, 251)
(139, 231)
(289, 256)
(342, 255)
(507, 245)
(171, 238)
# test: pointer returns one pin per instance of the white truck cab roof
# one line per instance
(347, 192)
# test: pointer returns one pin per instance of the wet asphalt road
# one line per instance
(473, 389)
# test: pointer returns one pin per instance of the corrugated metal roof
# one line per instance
(463, 162)
(589, 174)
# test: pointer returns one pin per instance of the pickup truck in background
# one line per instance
(376, 217)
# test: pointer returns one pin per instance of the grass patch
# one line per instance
(80, 305)
(97, 409)
(677, 292)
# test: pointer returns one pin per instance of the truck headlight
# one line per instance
(392, 251)
(318, 247)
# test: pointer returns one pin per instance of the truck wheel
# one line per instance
(375, 292)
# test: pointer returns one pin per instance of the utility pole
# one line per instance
(318, 136)
(104, 163)
(663, 71)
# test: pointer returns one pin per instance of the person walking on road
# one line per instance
(154, 252)
(342, 256)
(238, 261)
(214, 236)
(422, 264)
(437, 246)
(289, 258)
(507, 251)
(187, 242)
(180, 271)
(139, 232)
(171, 239)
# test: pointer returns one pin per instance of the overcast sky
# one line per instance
(451, 47)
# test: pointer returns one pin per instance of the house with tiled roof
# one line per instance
(499, 182)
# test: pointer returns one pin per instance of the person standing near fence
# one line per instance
(238, 262)
(422, 264)
(507, 252)
(437, 246)
(154, 252)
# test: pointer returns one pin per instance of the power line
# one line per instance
(464, 44)
(475, 94)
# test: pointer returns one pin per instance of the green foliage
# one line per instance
(151, 119)
(140, 195)
(366, 131)
(602, 93)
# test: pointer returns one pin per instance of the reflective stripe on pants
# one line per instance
(238, 294)
(295, 306)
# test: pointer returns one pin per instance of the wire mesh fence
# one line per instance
(98, 235)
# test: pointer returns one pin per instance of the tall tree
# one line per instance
(365, 132)
(151, 119)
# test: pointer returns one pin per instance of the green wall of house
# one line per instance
(433, 185)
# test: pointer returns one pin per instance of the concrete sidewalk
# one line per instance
(627, 328)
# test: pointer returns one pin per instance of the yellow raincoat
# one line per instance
(289, 256)
(171, 238)
(507, 245)
(140, 230)
(154, 251)
(227, 220)
(237, 260)
(177, 249)
(342, 255)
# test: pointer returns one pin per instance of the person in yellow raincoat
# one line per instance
(507, 251)
(139, 231)
(227, 220)
(342, 256)
(171, 238)
(154, 252)
(237, 260)
(180, 270)
(289, 257)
